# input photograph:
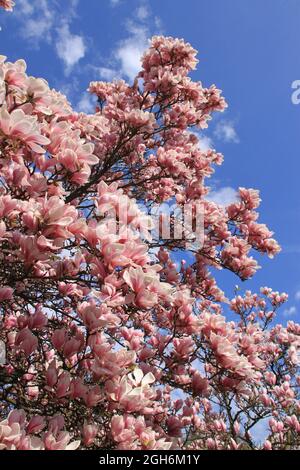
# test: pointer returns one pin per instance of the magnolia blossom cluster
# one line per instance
(109, 341)
(18, 433)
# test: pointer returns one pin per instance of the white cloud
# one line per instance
(226, 132)
(36, 19)
(142, 12)
(26, 7)
(69, 89)
(44, 20)
(125, 58)
(86, 104)
(70, 47)
(223, 196)
(107, 73)
(297, 295)
(289, 312)
(129, 51)
(205, 142)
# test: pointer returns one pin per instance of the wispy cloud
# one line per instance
(70, 47)
(290, 312)
(130, 50)
(46, 21)
(125, 58)
(225, 131)
(205, 142)
(86, 104)
(142, 12)
(291, 249)
(36, 19)
(107, 73)
(114, 2)
(223, 196)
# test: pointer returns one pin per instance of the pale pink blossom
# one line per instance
(89, 433)
(17, 125)
(26, 341)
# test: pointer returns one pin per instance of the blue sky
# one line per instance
(247, 48)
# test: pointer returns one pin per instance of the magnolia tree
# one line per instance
(107, 341)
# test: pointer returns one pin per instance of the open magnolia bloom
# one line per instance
(111, 337)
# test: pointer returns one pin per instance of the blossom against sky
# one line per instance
(247, 48)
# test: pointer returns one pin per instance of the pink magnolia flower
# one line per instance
(38, 319)
(146, 286)
(200, 384)
(89, 433)
(56, 216)
(276, 426)
(63, 384)
(78, 389)
(59, 441)
(18, 125)
(59, 338)
(10, 435)
(93, 396)
(229, 358)
(36, 424)
(26, 341)
(71, 347)
(267, 445)
(51, 375)
(183, 347)
(132, 433)
(133, 392)
(6, 293)
(111, 363)
(13, 433)
(95, 317)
